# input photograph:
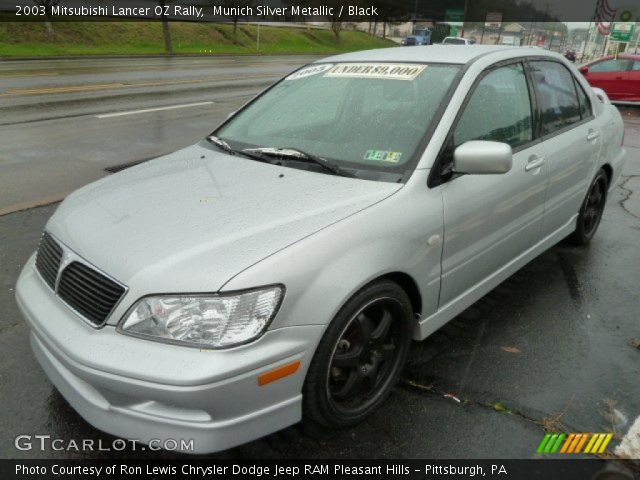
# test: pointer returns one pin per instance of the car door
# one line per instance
(632, 86)
(492, 219)
(571, 137)
(609, 75)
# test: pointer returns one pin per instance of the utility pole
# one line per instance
(586, 41)
(606, 41)
(546, 16)
(464, 17)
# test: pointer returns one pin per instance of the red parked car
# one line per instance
(618, 76)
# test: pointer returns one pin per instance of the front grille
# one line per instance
(48, 259)
(83, 288)
(90, 293)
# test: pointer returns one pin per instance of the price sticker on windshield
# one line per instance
(309, 71)
(391, 71)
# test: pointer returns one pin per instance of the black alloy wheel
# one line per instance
(591, 210)
(360, 357)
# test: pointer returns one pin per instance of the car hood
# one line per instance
(190, 221)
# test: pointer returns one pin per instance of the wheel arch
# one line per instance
(409, 285)
(608, 169)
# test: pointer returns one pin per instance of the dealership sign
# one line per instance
(454, 16)
(621, 32)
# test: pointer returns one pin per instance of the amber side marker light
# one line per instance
(278, 373)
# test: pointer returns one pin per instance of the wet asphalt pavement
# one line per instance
(92, 114)
(552, 347)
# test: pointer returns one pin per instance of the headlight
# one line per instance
(214, 321)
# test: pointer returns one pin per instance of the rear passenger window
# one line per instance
(557, 96)
(636, 66)
(585, 104)
(499, 109)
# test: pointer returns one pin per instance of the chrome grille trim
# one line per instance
(48, 259)
(86, 290)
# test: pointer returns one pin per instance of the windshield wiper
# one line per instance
(221, 144)
(224, 146)
(300, 155)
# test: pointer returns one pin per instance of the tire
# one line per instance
(591, 210)
(359, 358)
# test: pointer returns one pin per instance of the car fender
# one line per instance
(321, 272)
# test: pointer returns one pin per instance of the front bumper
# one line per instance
(145, 390)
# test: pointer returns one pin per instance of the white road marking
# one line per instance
(630, 444)
(147, 110)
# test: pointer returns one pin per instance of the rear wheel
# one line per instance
(591, 210)
(360, 356)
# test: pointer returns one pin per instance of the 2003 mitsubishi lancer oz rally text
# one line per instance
(278, 270)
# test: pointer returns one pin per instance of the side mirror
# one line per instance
(481, 157)
(584, 70)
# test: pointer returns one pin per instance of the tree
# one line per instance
(236, 5)
(336, 27)
(47, 4)
(166, 33)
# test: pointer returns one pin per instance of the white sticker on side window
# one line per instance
(391, 71)
(308, 71)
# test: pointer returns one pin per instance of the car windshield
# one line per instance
(367, 118)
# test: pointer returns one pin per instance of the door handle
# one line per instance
(534, 162)
(592, 135)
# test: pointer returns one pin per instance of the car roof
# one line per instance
(632, 56)
(624, 56)
(454, 54)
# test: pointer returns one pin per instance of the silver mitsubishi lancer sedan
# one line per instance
(278, 270)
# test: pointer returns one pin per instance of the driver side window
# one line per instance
(499, 109)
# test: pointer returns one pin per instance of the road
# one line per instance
(63, 122)
(549, 348)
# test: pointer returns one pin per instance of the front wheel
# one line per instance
(591, 210)
(360, 356)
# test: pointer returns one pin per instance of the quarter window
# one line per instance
(585, 104)
(613, 65)
(556, 92)
(499, 109)
(636, 66)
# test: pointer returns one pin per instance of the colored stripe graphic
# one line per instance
(555, 448)
(567, 443)
(600, 444)
(550, 443)
(543, 443)
(605, 442)
(582, 442)
(594, 437)
(574, 443)
(577, 439)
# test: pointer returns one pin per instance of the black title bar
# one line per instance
(197, 467)
(476, 11)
